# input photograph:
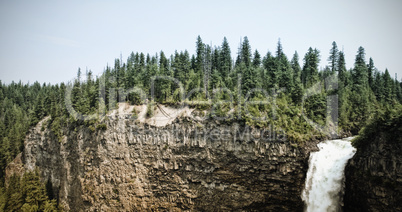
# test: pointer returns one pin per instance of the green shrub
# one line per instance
(150, 109)
(102, 127)
(387, 123)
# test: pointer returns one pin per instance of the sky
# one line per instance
(48, 40)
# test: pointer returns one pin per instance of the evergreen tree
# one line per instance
(248, 80)
(34, 192)
(333, 57)
(271, 75)
(226, 61)
(256, 59)
(298, 86)
(279, 51)
(177, 66)
(207, 68)
(370, 73)
(283, 70)
(398, 90)
(142, 61)
(14, 196)
(378, 86)
(245, 53)
(27, 194)
(199, 58)
(310, 67)
(186, 65)
(193, 63)
(360, 92)
(23, 105)
(215, 59)
(148, 60)
(388, 87)
(216, 80)
(163, 63)
(360, 70)
(342, 70)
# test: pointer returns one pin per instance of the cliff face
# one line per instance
(374, 176)
(186, 165)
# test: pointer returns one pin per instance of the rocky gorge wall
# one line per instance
(374, 176)
(185, 165)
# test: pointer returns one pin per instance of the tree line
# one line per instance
(212, 73)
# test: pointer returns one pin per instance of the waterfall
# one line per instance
(323, 190)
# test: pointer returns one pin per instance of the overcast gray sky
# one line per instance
(47, 41)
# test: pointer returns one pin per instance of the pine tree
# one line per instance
(163, 63)
(271, 75)
(148, 61)
(226, 61)
(283, 70)
(342, 70)
(360, 91)
(279, 50)
(34, 192)
(298, 86)
(193, 63)
(177, 66)
(248, 80)
(333, 57)
(388, 87)
(186, 65)
(370, 73)
(142, 61)
(207, 68)
(398, 90)
(343, 92)
(256, 59)
(216, 80)
(216, 62)
(245, 53)
(310, 67)
(27, 194)
(378, 86)
(199, 58)
(360, 70)
(14, 196)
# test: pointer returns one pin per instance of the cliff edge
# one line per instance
(374, 174)
(186, 164)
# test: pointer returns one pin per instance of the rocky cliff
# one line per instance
(374, 176)
(187, 164)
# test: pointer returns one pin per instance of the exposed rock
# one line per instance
(186, 165)
(374, 177)
(15, 167)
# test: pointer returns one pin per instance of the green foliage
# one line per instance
(21, 106)
(150, 109)
(26, 193)
(387, 122)
(310, 68)
(56, 127)
(333, 57)
(225, 63)
(360, 93)
(102, 127)
(361, 90)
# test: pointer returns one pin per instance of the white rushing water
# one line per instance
(323, 190)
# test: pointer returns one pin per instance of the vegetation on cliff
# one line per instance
(373, 175)
(26, 193)
(262, 91)
(387, 123)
